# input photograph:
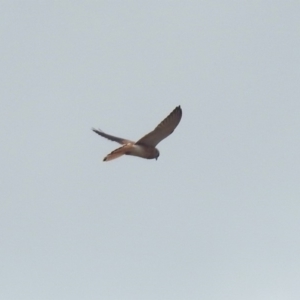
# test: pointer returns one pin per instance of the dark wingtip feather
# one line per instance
(177, 110)
(97, 130)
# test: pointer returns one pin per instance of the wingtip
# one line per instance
(97, 130)
(178, 108)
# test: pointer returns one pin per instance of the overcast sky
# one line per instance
(217, 216)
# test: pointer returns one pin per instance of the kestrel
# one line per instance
(146, 146)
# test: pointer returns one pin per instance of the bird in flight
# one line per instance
(146, 146)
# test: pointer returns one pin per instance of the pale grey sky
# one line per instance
(217, 216)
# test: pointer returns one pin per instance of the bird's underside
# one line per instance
(146, 146)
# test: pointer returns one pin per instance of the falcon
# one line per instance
(146, 146)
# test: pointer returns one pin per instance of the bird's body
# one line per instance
(146, 146)
(134, 150)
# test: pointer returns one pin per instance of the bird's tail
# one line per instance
(116, 153)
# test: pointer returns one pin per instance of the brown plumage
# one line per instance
(146, 146)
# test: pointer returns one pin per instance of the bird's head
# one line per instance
(157, 154)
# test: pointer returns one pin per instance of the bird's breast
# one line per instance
(143, 151)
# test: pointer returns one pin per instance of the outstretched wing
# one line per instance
(112, 138)
(164, 129)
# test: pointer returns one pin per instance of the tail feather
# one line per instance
(116, 153)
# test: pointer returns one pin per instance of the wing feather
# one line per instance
(112, 138)
(164, 129)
